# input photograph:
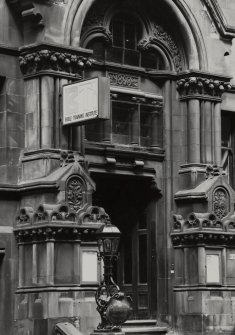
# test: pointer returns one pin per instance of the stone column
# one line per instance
(203, 96)
(21, 265)
(217, 134)
(77, 265)
(201, 266)
(50, 263)
(193, 131)
(47, 111)
(34, 265)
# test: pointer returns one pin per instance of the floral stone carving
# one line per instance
(75, 193)
(220, 203)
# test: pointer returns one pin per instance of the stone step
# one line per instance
(145, 327)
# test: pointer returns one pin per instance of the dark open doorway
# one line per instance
(132, 208)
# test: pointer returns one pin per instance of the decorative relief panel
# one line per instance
(75, 193)
(220, 203)
(124, 80)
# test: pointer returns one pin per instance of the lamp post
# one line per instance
(112, 304)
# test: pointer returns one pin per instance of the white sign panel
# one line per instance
(86, 100)
(212, 269)
(89, 266)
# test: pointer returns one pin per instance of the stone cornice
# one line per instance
(37, 58)
(17, 190)
(203, 229)
(201, 84)
(50, 222)
(6, 50)
(225, 30)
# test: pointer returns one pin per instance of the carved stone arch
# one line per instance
(101, 28)
(168, 57)
(140, 17)
(76, 192)
(195, 50)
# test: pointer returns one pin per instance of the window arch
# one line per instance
(123, 47)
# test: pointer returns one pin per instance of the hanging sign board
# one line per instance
(86, 101)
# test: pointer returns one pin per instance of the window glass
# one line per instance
(125, 123)
(227, 150)
(117, 31)
(130, 124)
(130, 35)
(150, 126)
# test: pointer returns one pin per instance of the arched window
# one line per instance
(134, 120)
(126, 33)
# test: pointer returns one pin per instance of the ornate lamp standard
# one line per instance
(112, 304)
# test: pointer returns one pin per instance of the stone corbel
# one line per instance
(27, 11)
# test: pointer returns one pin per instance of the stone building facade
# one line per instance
(161, 167)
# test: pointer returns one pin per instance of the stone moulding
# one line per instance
(159, 35)
(202, 228)
(34, 59)
(57, 222)
(225, 30)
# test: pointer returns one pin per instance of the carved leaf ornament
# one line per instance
(220, 203)
(75, 189)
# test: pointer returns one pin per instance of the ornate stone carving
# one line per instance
(25, 215)
(204, 228)
(122, 79)
(56, 222)
(202, 86)
(159, 34)
(46, 59)
(93, 214)
(212, 171)
(66, 157)
(96, 14)
(220, 203)
(75, 189)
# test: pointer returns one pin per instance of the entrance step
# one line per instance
(143, 327)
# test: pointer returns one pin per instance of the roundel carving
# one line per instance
(220, 202)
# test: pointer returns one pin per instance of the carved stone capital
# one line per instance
(55, 58)
(196, 85)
